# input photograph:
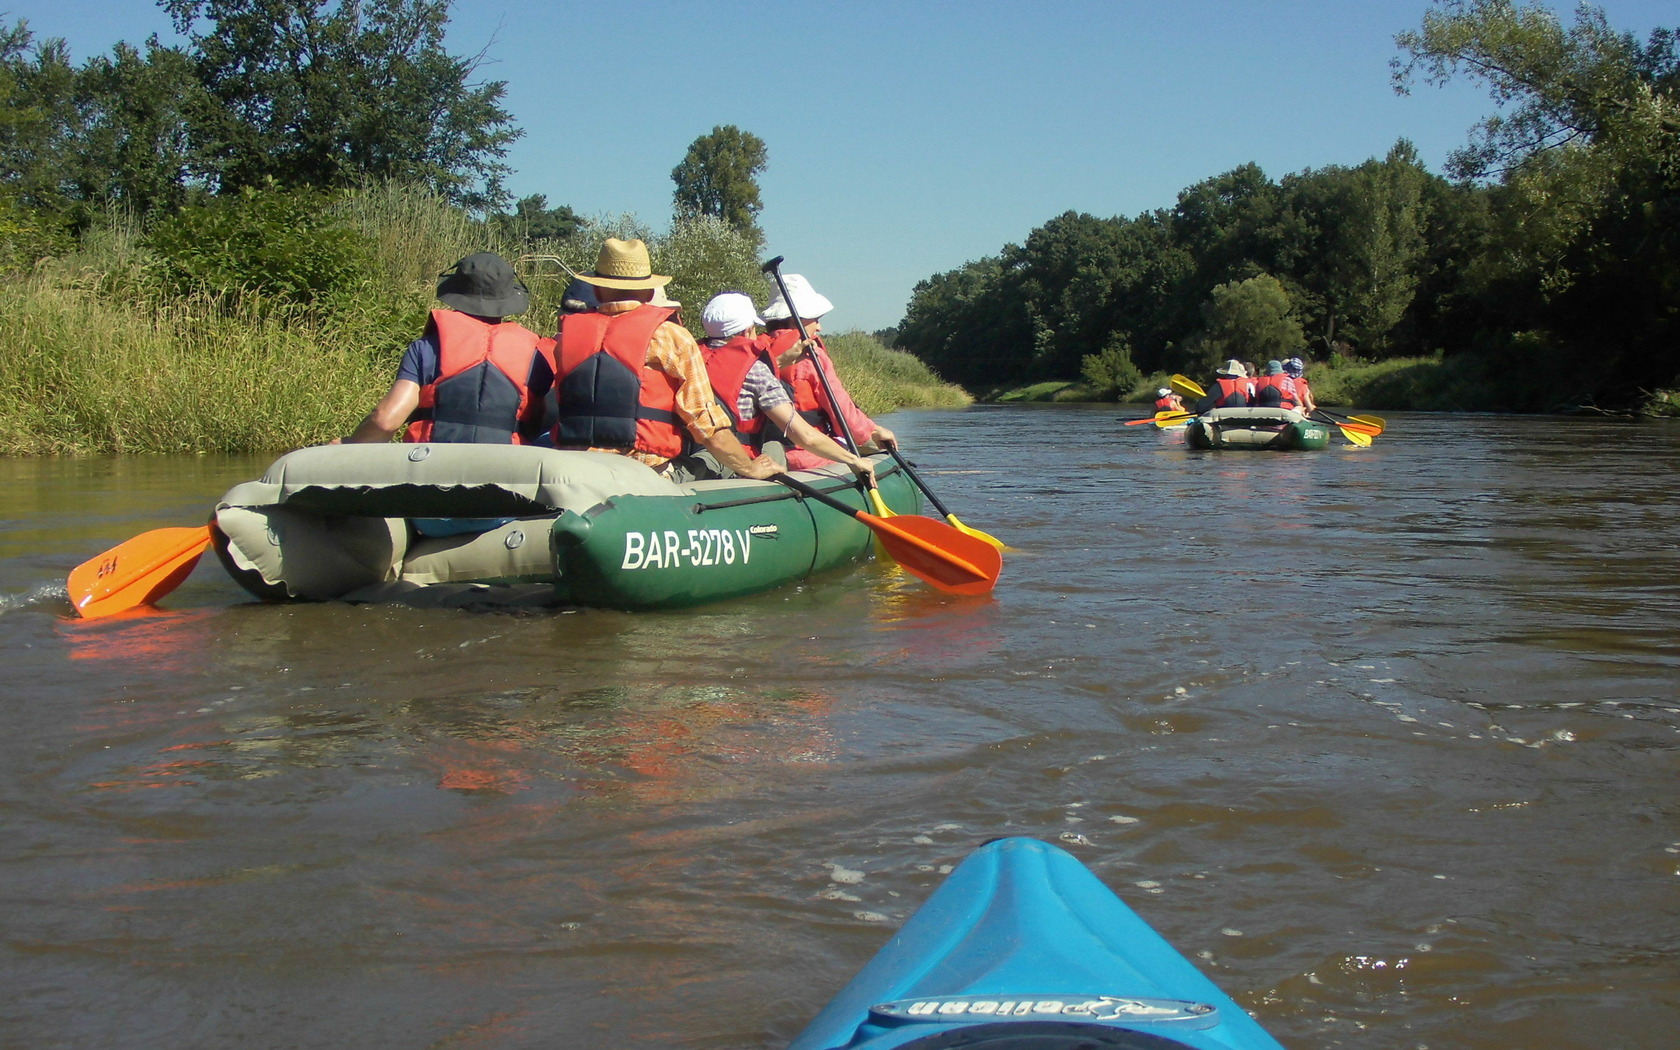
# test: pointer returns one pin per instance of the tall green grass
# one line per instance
(881, 379)
(79, 373)
(96, 357)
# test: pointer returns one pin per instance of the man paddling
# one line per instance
(631, 380)
(471, 376)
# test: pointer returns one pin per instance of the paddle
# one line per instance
(1162, 419)
(774, 269)
(136, 572)
(1354, 435)
(931, 550)
(1185, 388)
(1373, 425)
(937, 505)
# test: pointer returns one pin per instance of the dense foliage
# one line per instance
(1549, 271)
(292, 93)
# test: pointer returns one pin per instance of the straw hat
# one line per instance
(807, 300)
(484, 285)
(624, 264)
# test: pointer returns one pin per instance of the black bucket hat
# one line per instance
(483, 284)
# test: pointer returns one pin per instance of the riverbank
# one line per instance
(84, 370)
(1414, 384)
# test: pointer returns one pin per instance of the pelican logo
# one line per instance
(947, 1009)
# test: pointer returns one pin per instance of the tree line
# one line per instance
(1548, 264)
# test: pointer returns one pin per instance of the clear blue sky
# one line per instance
(907, 138)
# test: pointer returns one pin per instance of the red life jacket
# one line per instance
(1170, 403)
(728, 366)
(1287, 394)
(609, 397)
(1234, 393)
(802, 384)
(482, 388)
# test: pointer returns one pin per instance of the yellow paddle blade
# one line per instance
(881, 511)
(136, 572)
(1163, 419)
(1356, 438)
(1378, 422)
(1183, 387)
(976, 533)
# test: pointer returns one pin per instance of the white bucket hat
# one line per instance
(807, 300)
(1233, 367)
(728, 314)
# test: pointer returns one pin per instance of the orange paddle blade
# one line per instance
(136, 572)
(938, 554)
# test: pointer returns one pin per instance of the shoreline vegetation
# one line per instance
(1404, 384)
(104, 349)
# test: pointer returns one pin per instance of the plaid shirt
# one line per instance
(674, 352)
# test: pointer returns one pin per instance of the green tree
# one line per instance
(533, 220)
(1251, 320)
(1111, 371)
(719, 177)
(1585, 227)
(319, 94)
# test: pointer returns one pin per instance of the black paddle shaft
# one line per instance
(774, 269)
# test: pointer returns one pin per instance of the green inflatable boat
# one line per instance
(457, 523)
(1256, 429)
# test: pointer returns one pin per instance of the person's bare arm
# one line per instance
(815, 441)
(389, 416)
(727, 448)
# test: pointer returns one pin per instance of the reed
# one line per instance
(96, 357)
(881, 379)
(79, 373)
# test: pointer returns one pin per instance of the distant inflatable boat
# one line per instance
(1256, 429)
(460, 523)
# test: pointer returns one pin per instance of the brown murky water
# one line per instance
(1387, 739)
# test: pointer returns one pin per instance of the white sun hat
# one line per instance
(728, 314)
(807, 300)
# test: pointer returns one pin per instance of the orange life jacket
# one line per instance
(1287, 394)
(727, 365)
(802, 383)
(1234, 393)
(1170, 403)
(608, 395)
(482, 388)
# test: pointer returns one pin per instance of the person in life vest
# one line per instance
(1296, 369)
(1232, 388)
(798, 372)
(630, 380)
(1276, 389)
(738, 360)
(1167, 401)
(471, 376)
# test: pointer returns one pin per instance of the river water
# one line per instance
(1386, 739)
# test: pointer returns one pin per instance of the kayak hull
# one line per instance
(1256, 430)
(456, 524)
(1023, 942)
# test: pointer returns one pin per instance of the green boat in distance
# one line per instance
(1256, 429)
(535, 526)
